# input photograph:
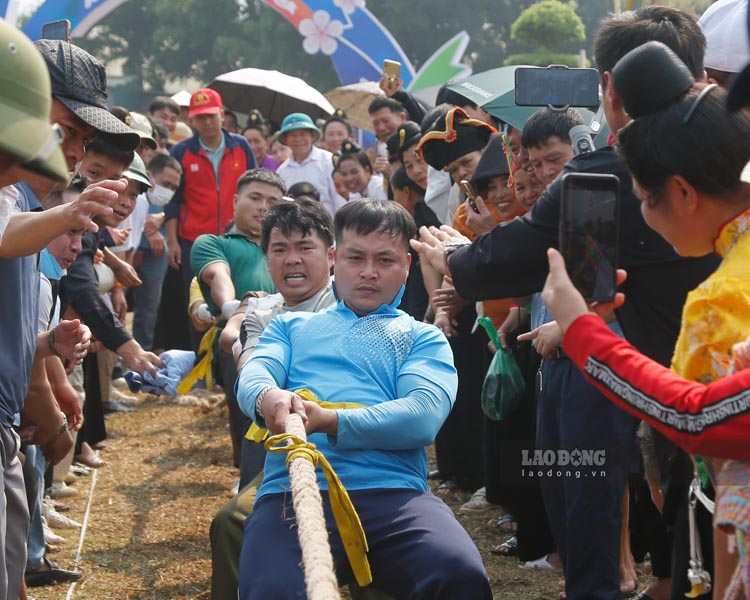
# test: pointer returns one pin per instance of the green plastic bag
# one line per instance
(504, 383)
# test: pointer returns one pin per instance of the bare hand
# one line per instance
(157, 243)
(277, 405)
(480, 222)
(382, 166)
(447, 299)
(431, 245)
(174, 255)
(98, 257)
(548, 338)
(119, 236)
(390, 86)
(319, 419)
(153, 223)
(72, 340)
(70, 404)
(138, 359)
(446, 324)
(564, 301)
(94, 201)
(127, 275)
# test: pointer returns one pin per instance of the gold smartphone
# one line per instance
(392, 70)
(471, 193)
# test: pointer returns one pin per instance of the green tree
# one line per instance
(546, 26)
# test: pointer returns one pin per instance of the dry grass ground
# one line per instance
(169, 471)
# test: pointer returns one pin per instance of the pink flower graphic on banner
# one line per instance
(349, 6)
(320, 33)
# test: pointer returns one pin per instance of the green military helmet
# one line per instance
(25, 103)
(137, 171)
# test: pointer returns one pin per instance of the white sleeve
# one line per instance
(8, 197)
(45, 303)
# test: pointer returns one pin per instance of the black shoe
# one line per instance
(50, 573)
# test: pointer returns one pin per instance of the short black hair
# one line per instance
(232, 114)
(160, 129)
(164, 102)
(709, 151)
(98, 145)
(621, 33)
(361, 157)
(163, 161)
(446, 95)
(548, 122)
(400, 180)
(385, 102)
(335, 119)
(368, 215)
(261, 175)
(303, 188)
(302, 215)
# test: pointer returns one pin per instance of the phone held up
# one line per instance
(557, 86)
(471, 194)
(589, 233)
(392, 71)
(56, 30)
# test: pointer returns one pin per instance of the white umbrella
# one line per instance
(355, 99)
(273, 93)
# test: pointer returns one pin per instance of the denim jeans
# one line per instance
(35, 548)
(152, 270)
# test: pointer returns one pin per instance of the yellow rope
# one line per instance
(203, 369)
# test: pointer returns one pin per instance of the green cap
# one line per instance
(25, 103)
(137, 171)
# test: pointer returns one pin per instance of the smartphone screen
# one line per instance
(56, 30)
(539, 86)
(471, 194)
(392, 69)
(589, 233)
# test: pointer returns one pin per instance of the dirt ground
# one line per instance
(169, 471)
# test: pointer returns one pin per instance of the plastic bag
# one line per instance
(504, 383)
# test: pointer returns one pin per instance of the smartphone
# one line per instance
(557, 85)
(471, 193)
(56, 30)
(392, 70)
(589, 233)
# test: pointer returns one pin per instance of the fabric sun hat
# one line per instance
(139, 123)
(727, 45)
(296, 121)
(182, 131)
(79, 81)
(205, 102)
(25, 103)
(451, 136)
(137, 171)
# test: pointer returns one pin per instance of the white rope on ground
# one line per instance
(320, 577)
(84, 526)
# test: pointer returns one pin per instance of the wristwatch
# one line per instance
(450, 248)
(64, 426)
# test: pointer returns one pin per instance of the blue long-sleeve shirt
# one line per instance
(400, 369)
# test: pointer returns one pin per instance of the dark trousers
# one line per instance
(239, 422)
(583, 505)
(418, 550)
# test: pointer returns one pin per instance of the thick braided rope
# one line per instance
(320, 577)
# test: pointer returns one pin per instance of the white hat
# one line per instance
(182, 98)
(724, 24)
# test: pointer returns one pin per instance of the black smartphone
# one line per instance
(471, 193)
(589, 233)
(56, 30)
(557, 85)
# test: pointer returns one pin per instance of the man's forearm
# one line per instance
(40, 406)
(218, 278)
(28, 232)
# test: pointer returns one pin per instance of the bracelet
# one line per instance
(51, 342)
(441, 313)
(259, 400)
(449, 249)
(64, 426)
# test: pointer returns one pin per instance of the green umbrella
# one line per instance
(494, 91)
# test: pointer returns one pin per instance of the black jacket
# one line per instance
(80, 289)
(511, 261)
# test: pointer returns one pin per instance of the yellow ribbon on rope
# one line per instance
(258, 434)
(347, 520)
(203, 369)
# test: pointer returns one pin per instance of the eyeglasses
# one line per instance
(705, 92)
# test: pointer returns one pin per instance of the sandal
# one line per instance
(508, 548)
(93, 461)
(446, 488)
(507, 524)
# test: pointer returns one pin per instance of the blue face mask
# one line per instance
(50, 267)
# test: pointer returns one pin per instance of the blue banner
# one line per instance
(82, 14)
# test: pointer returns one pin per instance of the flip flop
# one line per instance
(507, 524)
(93, 462)
(508, 548)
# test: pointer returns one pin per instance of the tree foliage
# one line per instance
(549, 24)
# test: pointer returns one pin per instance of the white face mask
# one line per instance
(160, 195)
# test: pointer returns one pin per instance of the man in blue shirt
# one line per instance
(400, 374)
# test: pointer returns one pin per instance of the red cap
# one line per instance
(205, 102)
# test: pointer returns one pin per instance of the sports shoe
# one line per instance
(50, 537)
(115, 406)
(55, 519)
(118, 396)
(476, 504)
(60, 490)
